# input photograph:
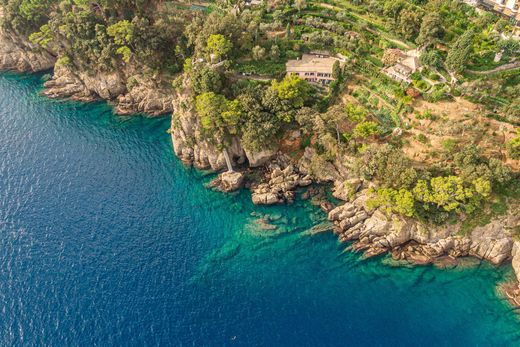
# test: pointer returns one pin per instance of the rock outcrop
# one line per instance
(313, 164)
(374, 233)
(229, 181)
(17, 54)
(259, 158)
(189, 144)
(145, 97)
(280, 187)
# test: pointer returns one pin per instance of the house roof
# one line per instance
(311, 63)
(411, 62)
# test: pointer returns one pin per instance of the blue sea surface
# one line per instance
(106, 239)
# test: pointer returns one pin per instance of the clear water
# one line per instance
(106, 239)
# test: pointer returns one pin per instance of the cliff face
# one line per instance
(143, 97)
(187, 140)
(17, 54)
(374, 233)
(192, 149)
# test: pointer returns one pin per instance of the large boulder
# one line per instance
(231, 181)
(345, 190)
(268, 198)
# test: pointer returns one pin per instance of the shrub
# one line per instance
(514, 146)
(392, 200)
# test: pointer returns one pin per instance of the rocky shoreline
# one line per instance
(372, 232)
(17, 54)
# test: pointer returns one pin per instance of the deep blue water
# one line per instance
(106, 239)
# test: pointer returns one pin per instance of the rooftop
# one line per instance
(311, 63)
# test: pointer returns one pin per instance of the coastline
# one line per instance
(370, 232)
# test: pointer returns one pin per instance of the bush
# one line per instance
(449, 145)
(392, 200)
(513, 146)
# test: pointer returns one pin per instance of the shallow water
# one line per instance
(106, 239)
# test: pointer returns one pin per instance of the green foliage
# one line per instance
(274, 53)
(449, 145)
(261, 124)
(219, 117)
(355, 113)
(218, 46)
(366, 129)
(509, 46)
(125, 52)
(206, 79)
(336, 70)
(25, 16)
(388, 165)
(432, 58)
(471, 166)
(390, 200)
(409, 23)
(42, 37)
(122, 32)
(431, 30)
(459, 55)
(64, 61)
(451, 194)
(513, 146)
(293, 89)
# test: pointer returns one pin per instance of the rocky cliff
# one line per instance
(374, 233)
(191, 147)
(144, 96)
(17, 54)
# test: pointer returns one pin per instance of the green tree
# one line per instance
(293, 89)
(218, 46)
(390, 200)
(388, 165)
(432, 57)
(336, 70)
(123, 34)
(460, 53)
(513, 146)
(366, 129)
(205, 79)
(42, 37)
(275, 53)
(300, 5)
(409, 23)
(355, 113)
(219, 118)
(431, 30)
(450, 194)
(258, 53)
(509, 46)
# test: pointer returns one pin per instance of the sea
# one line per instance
(106, 239)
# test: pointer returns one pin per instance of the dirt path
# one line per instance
(505, 67)
(239, 76)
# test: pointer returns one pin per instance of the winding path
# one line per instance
(505, 67)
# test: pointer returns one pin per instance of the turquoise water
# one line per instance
(106, 239)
